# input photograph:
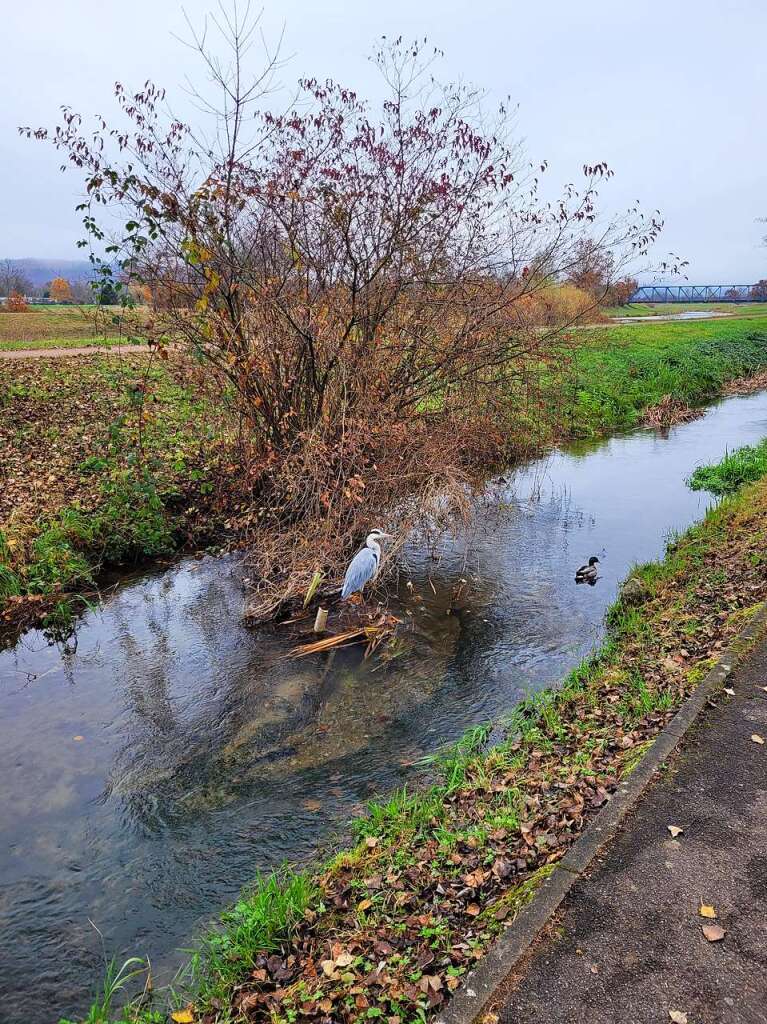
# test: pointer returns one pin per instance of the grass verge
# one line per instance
(86, 341)
(41, 325)
(387, 928)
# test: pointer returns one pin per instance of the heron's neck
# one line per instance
(375, 547)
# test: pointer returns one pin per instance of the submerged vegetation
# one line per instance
(388, 927)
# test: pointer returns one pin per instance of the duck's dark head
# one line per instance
(593, 560)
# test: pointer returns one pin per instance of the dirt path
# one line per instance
(630, 946)
(46, 353)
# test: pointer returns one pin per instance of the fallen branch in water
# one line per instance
(374, 633)
(326, 644)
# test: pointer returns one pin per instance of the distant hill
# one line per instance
(40, 271)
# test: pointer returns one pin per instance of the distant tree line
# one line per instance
(16, 288)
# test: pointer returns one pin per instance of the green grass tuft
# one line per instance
(115, 979)
(743, 466)
(259, 922)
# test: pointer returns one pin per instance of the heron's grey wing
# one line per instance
(361, 569)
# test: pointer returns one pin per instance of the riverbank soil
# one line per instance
(632, 944)
(105, 460)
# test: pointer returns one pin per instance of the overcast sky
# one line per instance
(671, 93)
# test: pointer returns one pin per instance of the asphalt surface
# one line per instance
(628, 946)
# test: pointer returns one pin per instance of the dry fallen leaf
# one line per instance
(78, 738)
(475, 878)
(677, 1016)
(729, 691)
(473, 910)
(183, 1016)
(675, 830)
(313, 805)
(713, 932)
(706, 910)
(757, 739)
(371, 841)
(364, 905)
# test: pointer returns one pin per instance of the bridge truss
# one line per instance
(693, 293)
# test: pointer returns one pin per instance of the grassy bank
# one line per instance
(388, 927)
(103, 462)
(91, 341)
(618, 373)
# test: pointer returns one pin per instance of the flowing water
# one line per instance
(152, 767)
(687, 314)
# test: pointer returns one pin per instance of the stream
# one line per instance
(152, 766)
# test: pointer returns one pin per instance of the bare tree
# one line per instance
(13, 279)
(363, 281)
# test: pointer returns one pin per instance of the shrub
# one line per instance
(363, 277)
(15, 303)
(558, 304)
(132, 524)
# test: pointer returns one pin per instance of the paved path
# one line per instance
(628, 948)
(89, 350)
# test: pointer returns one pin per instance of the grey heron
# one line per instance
(588, 573)
(365, 564)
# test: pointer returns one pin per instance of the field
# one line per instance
(58, 327)
(739, 309)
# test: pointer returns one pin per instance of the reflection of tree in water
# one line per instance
(217, 713)
(214, 708)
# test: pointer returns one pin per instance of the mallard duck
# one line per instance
(588, 573)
